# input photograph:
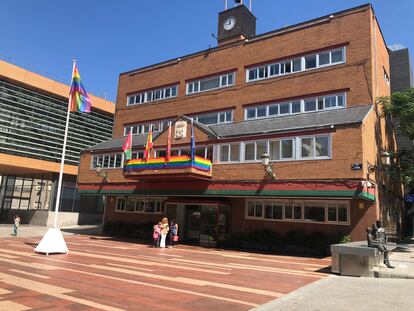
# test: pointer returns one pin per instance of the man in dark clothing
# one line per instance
(376, 243)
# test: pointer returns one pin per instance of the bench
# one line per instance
(356, 258)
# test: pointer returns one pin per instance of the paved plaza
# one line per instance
(106, 274)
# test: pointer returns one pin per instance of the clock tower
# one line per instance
(235, 24)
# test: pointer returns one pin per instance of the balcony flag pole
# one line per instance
(168, 152)
(53, 241)
(192, 143)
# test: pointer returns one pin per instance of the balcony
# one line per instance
(181, 167)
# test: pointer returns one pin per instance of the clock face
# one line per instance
(229, 23)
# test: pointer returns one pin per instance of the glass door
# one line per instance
(193, 222)
(208, 227)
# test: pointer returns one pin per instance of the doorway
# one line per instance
(206, 224)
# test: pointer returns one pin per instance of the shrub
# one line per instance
(296, 238)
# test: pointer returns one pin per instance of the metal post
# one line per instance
(62, 161)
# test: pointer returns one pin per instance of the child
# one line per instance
(156, 235)
(16, 224)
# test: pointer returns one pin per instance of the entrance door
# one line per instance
(201, 224)
(193, 221)
(208, 227)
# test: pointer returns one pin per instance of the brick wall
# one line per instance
(352, 29)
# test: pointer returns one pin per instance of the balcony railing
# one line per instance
(179, 166)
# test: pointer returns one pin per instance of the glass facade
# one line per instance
(32, 125)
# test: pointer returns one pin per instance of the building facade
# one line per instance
(305, 95)
(402, 80)
(32, 125)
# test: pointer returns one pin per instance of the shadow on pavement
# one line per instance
(92, 230)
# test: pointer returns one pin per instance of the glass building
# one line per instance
(32, 128)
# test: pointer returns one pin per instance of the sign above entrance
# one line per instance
(180, 130)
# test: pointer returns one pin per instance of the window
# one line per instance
(249, 151)
(274, 150)
(107, 161)
(314, 212)
(120, 204)
(307, 62)
(215, 118)
(152, 95)
(261, 147)
(210, 83)
(310, 104)
(139, 205)
(143, 128)
(314, 147)
(333, 101)
(307, 148)
(287, 149)
(235, 153)
(337, 56)
(224, 153)
(324, 58)
(321, 145)
(329, 212)
(284, 108)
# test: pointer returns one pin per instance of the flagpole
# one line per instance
(62, 161)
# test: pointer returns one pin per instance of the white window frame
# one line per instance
(102, 156)
(143, 96)
(140, 128)
(292, 203)
(314, 157)
(160, 202)
(302, 58)
(302, 106)
(193, 83)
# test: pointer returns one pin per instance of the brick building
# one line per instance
(304, 95)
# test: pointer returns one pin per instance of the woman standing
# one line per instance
(173, 234)
(164, 231)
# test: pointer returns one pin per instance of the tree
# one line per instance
(401, 107)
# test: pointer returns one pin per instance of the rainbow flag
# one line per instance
(175, 162)
(79, 99)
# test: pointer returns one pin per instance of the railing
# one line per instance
(161, 163)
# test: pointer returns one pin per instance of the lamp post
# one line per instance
(101, 173)
(267, 167)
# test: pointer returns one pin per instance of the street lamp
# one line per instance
(385, 163)
(101, 173)
(267, 167)
(385, 158)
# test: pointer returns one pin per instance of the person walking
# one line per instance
(16, 224)
(173, 234)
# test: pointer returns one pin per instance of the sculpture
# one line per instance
(377, 238)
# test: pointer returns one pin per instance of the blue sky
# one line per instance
(108, 37)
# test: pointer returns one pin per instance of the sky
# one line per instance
(108, 37)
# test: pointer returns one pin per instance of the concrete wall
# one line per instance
(46, 218)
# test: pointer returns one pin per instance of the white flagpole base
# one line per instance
(52, 242)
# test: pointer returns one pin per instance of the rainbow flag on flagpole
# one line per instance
(148, 146)
(79, 99)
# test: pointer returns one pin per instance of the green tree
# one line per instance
(401, 107)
